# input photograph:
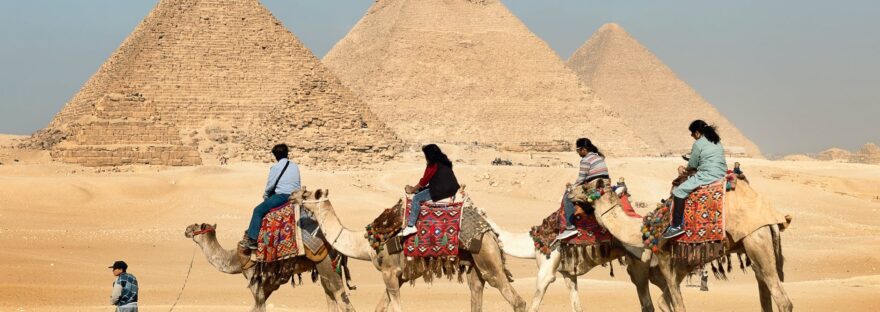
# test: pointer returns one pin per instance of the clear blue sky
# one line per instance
(795, 76)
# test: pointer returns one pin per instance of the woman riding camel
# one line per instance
(707, 157)
(437, 183)
(592, 168)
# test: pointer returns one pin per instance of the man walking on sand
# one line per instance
(125, 288)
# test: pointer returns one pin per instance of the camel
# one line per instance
(231, 262)
(757, 232)
(488, 263)
(521, 245)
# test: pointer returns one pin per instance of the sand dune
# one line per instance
(62, 225)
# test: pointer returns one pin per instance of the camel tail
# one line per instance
(777, 251)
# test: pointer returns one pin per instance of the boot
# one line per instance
(675, 229)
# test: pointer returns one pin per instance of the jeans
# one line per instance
(261, 210)
(418, 198)
(131, 307)
(568, 208)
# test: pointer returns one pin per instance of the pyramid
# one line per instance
(469, 71)
(645, 92)
(213, 78)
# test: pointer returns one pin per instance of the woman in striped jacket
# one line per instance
(592, 168)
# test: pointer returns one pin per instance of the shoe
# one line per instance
(620, 190)
(407, 231)
(569, 232)
(672, 232)
(248, 243)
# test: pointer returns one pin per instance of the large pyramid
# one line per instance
(647, 93)
(213, 78)
(464, 71)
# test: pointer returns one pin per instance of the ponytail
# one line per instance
(587, 144)
(706, 130)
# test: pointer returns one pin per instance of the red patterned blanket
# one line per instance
(590, 233)
(278, 235)
(438, 227)
(703, 238)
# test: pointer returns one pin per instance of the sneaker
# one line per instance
(672, 232)
(248, 243)
(409, 230)
(569, 232)
(620, 190)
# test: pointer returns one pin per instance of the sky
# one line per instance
(794, 76)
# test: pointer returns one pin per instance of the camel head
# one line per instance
(194, 231)
(606, 200)
(316, 202)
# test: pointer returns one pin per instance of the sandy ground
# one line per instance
(62, 225)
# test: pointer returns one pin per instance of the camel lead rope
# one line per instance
(191, 260)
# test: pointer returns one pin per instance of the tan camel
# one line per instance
(521, 245)
(230, 262)
(754, 231)
(488, 263)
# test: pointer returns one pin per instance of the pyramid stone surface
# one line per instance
(461, 71)
(211, 78)
(647, 93)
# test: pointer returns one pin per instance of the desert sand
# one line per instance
(61, 225)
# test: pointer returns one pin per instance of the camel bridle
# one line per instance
(324, 217)
(205, 231)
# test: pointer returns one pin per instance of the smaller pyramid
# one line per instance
(868, 154)
(647, 93)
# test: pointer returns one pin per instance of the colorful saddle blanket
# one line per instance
(437, 228)
(590, 233)
(703, 236)
(283, 235)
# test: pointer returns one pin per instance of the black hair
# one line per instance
(706, 130)
(587, 144)
(280, 151)
(434, 155)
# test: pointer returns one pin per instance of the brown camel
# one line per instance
(488, 264)
(231, 262)
(754, 231)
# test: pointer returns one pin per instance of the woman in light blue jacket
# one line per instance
(707, 157)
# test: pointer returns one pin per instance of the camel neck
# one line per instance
(627, 229)
(350, 243)
(519, 245)
(224, 260)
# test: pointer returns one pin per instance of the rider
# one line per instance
(284, 179)
(437, 183)
(592, 167)
(707, 157)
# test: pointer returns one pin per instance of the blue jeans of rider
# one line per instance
(568, 208)
(417, 200)
(261, 210)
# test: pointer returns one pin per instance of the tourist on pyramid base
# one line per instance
(438, 182)
(707, 158)
(284, 179)
(592, 169)
(125, 288)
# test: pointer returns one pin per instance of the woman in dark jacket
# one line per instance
(437, 183)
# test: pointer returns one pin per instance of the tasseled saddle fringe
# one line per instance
(430, 268)
(576, 259)
(698, 254)
(279, 272)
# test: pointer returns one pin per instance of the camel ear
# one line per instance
(319, 193)
(306, 194)
(214, 226)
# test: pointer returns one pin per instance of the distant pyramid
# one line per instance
(646, 93)
(219, 78)
(463, 71)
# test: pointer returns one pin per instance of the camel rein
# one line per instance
(188, 271)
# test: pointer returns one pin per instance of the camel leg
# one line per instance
(638, 274)
(392, 288)
(383, 303)
(760, 247)
(764, 293)
(657, 279)
(490, 263)
(571, 282)
(261, 293)
(334, 287)
(476, 285)
(672, 282)
(546, 275)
